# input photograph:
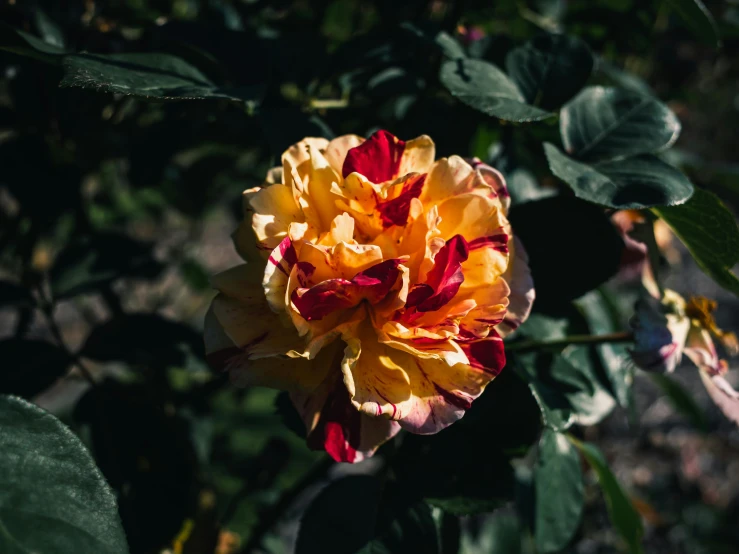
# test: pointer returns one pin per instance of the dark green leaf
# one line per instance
(445, 470)
(30, 366)
(412, 530)
(486, 88)
(607, 123)
(567, 388)
(48, 29)
(499, 532)
(87, 263)
(681, 400)
(342, 518)
(557, 476)
(624, 516)
(54, 499)
(156, 76)
(20, 42)
(634, 183)
(622, 78)
(14, 295)
(709, 230)
(698, 19)
(602, 319)
(142, 339)
(550, 69)
(555, 240)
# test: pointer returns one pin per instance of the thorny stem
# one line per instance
(530, 345)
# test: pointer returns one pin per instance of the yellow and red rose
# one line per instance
(379, 285)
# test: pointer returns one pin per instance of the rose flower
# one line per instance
(378, 288)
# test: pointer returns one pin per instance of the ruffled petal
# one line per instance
(722, 394)
(333, 424)
(274, 210)
(371, 285)
(337, 148)
(378, 158)
(425, 394)
(522, 294)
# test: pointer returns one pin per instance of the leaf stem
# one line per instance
(531, 345)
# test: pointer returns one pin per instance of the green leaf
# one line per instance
(559, 492)
(622, 78)
(499, 532)
(88, 263)
(634, 183)
(550, 69)
(624, 516)
(709, 230)
(20, 42)
(30, 366)
(567, 388)
(607, 123)
(337, 521)
(698, 19)
(150, 75)
(681, 400)
(486, 88)
(412, 530)
(54, 499)
(602, 319)
(566, 245)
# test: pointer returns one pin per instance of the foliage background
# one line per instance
(115, 209)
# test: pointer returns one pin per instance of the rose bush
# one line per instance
(386, 283)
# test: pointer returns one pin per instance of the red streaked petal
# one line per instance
(486, 354)
(377, 158)
(497, 242)
(345, 433)
(372, 284)
(395, 211)
(444, 279)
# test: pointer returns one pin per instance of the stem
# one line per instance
(48, 310)
(272, 515)
(530, 345)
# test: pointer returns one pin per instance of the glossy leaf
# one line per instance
(30, 366)
(634, 183)
(550, 69)
(87, 263)
(149, 75)
(557, 476)
(553, 232)
(567, 388)
(709, 230)
(624, 516)
(486, 88)
(698, 19)
(607, 123)
(54, 498)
